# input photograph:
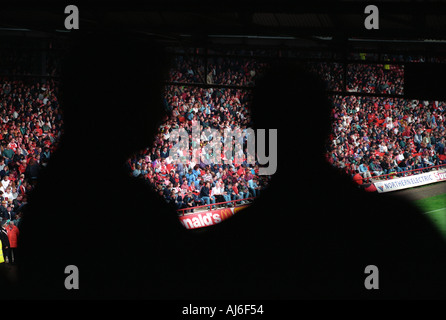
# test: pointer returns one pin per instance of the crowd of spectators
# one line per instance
(375, 136)
(332, 74)
(30, 127)
(375, 78)
(233, 71)
(388, 57)
(191, 184)
(187, 69)
(371, 135)
(220, 70)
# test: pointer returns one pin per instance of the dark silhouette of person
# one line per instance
(311, 234)
(86, 210)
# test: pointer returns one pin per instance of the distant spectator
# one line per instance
(188, 202)
(4, 239)
(13, 234)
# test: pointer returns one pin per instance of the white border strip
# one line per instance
(436, 210)
(411, 181)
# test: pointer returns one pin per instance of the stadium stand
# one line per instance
(331, 73)
(211, 108)
(30, 127)
(371, 136)
(310, 234)
(376, 136)
(369, 78)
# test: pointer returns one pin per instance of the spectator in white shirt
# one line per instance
(207, 176)
(8, 194)
(5, 182)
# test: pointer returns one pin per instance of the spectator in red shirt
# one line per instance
(13, 234)
(357, 178)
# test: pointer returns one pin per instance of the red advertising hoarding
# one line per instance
(208, 218)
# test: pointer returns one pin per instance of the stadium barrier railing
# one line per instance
(182, 211)
(395, 174)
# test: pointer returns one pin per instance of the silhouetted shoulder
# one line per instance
(86, 210)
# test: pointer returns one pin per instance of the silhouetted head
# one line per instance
(111, 94)
(294, 102)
